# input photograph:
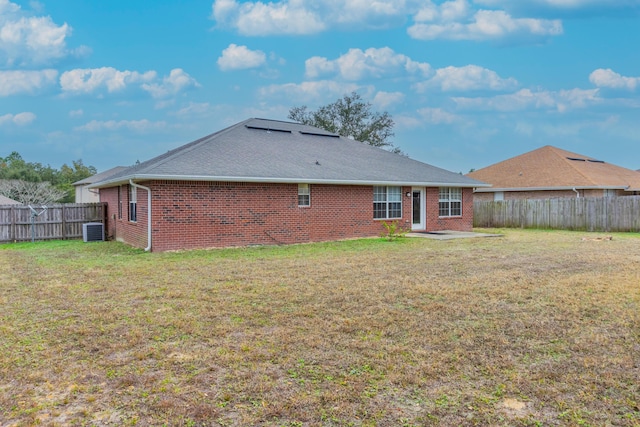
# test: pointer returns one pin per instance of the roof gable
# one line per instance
(100, 176)
(550, 167)
(275, 151)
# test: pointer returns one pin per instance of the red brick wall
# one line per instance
(188, 215)
(437, 223)
(121, 229)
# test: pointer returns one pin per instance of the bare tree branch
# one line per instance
(31, 193)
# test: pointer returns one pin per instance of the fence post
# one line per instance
(64, 223)
(12, 226)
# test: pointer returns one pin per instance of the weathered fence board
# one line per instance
(585, 214)
(62, 221)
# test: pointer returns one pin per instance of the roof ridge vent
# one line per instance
(595, 161)
(577, 159)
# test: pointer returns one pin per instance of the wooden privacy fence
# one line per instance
(61, 221)
(584, 214)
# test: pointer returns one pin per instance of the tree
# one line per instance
(30, 193)
(14, 167)
(350, 117)
(70, 174)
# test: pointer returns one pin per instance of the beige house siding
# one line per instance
(83, 195)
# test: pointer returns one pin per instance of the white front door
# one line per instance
(418, 217)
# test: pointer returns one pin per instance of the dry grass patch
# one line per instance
(534, 328)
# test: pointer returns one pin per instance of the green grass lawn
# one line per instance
(533, 328)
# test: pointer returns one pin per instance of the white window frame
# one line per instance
(304, 195)
(119, 201)
(133, 204)
(387, 201)
(450, 202)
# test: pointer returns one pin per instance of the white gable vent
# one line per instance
(92, 232)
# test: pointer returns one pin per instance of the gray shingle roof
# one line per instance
(4, 200)
(100, 176)
(259, 150)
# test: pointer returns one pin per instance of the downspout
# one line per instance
(148, 190)
(577, 193)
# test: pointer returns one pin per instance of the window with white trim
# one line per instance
(450, 201)
(133, 204)
(387, 202)
(304, 195)
(119, 201)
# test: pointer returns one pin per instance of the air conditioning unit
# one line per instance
(93, 232)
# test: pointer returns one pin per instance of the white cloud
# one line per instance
(175, 82)
(560, 4)
(383, 100)
(20, 119)
(257, 18)
(469, 77)
(576, 98)
(16, 82)
(76, 113)
(297, 17)
(99, 80)
(455, 20)
(525, 99)
(29, 40)
(357, 64)
(610, 79)
(141, 126)
(89, 80)
(436, 116)
(307, 92)
(236, 57)
(223, 9)
(449, 11)
(194, 109)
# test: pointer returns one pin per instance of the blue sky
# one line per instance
(467, 82)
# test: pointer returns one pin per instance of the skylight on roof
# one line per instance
(267, 129)
(579, 159)
(330, 135)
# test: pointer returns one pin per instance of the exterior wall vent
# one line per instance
(93, 232)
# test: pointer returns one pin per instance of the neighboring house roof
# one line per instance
(100, 176)
(7, 201)
(259, 150)
(550, 168)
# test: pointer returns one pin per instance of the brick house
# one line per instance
(550, 172)
(263, 182)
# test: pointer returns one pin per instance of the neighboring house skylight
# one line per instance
(578, 159)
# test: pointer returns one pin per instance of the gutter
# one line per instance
(148, 190)
(572, 188)
(271, 180)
